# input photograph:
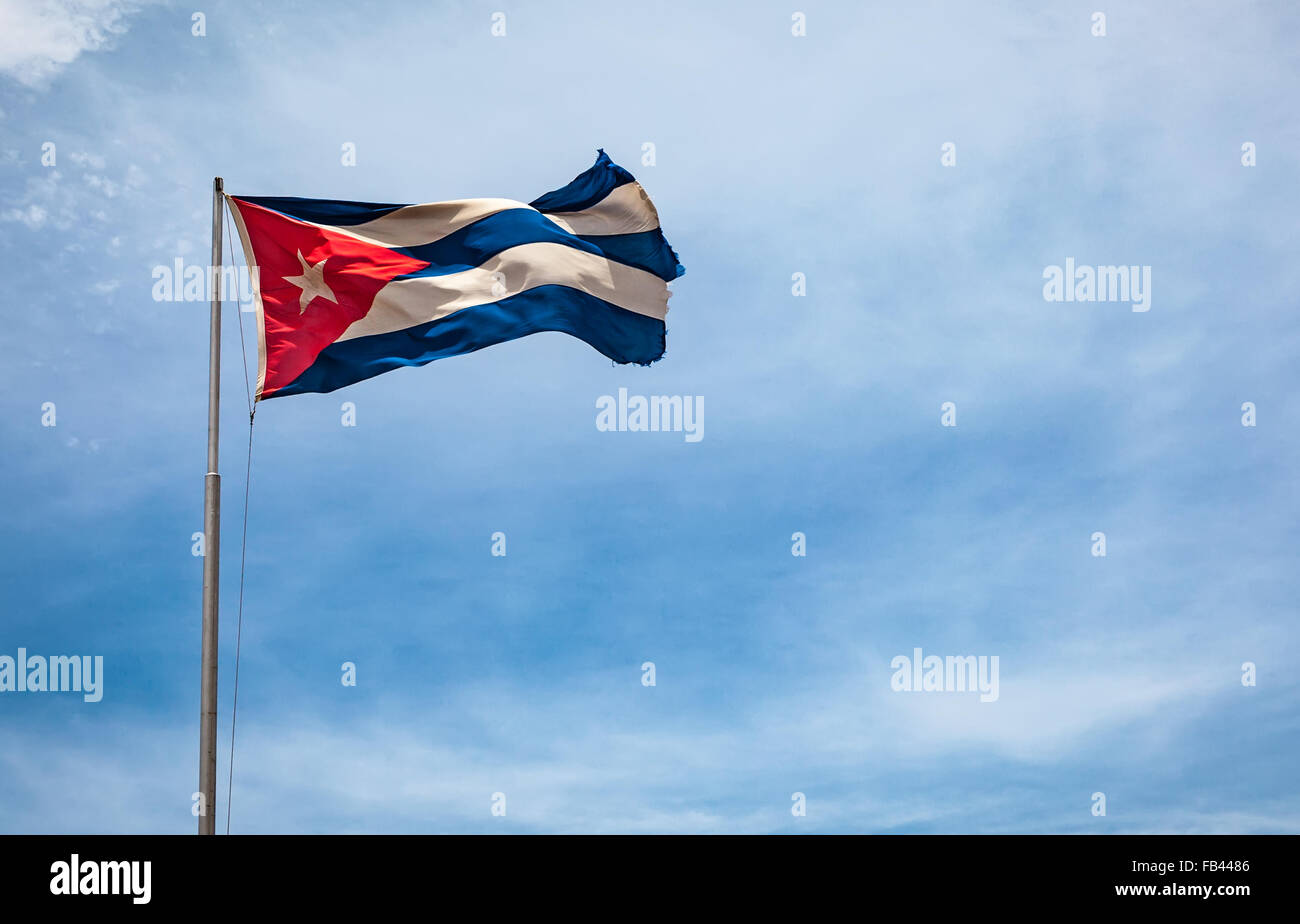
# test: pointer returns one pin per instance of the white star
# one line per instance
(312, 283)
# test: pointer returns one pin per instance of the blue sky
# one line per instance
(775, 154)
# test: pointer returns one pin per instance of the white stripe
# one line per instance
(626, 210)
(413, 225)
(406, 303)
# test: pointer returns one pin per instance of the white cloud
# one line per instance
(39, 37)
(49, 200)
(83, 159)
(102, 184)
(33, 216)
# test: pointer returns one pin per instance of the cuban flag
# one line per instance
(348, 290)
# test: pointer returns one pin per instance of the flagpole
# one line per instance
(211, 541)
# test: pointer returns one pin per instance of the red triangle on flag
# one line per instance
(315, 282)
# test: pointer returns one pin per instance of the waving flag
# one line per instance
(347, 290)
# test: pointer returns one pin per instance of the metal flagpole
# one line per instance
(211, 542)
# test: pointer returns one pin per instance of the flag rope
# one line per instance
(243, 543)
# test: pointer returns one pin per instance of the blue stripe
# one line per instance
(647, 250)
(624, 336)
(587, 188)
(476, 243)
(323, 211)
